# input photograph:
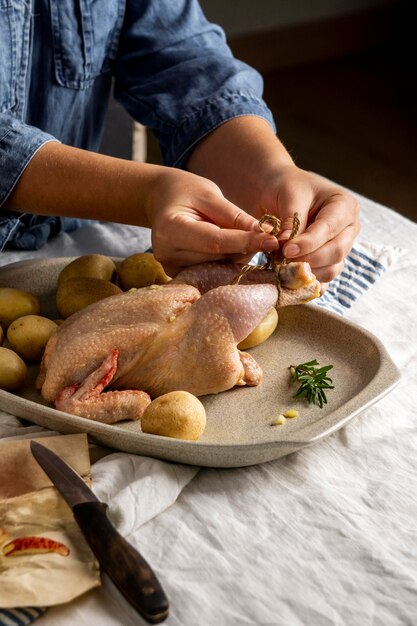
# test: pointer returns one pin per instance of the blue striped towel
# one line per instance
(363, 266)
(20, 617)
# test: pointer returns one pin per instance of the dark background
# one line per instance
(344, 96)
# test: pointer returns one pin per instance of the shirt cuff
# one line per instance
(215, 112)
(19, 142)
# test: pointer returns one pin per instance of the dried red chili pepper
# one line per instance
(34, 545)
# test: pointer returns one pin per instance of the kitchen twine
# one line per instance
(272, 261)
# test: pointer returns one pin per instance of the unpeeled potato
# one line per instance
(261, 332)
(176, 414)
(91, 266)
(141, 270)
(14, 303)
(28, 335)
(75, 294)
(13, 370)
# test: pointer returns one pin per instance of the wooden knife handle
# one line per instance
(122, 562)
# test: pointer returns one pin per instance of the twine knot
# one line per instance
(272, 261)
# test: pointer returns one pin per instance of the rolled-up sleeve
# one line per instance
(176, 74)
(19, 142)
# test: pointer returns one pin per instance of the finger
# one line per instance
(339, 213)
(211, 240)
(332, 252)
(203, 241)
(328, 273)
(225, 214)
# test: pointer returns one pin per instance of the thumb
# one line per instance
(225, 214)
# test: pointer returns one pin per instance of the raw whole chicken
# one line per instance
(179, 336)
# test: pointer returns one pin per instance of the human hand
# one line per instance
(192, 222)
(329, 219)
(253, 168)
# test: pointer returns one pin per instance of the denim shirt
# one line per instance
(172, 69)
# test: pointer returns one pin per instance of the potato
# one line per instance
(261, 332)
(176, 414)
(91, 266)
(28, 335)
(1, 335)
(14, 303)
(77, 293)
(141, 270)
(13, 370)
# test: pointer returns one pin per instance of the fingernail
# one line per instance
(292, 250)
(269, 244)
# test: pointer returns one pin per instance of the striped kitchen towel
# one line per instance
(20, 617)
(364, 265)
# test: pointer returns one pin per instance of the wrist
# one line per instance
(271, 182)
(242, 156)
(151, 191)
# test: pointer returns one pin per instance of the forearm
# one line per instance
(66, 181)
(238, 156)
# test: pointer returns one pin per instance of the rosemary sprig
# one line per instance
(314, 382)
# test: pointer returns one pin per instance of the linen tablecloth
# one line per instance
(325, 536)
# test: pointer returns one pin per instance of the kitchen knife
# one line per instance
(121, 561)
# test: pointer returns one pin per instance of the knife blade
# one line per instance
(119, 559)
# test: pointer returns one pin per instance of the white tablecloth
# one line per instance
(325, 536)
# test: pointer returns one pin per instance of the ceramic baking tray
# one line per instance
(239, 430)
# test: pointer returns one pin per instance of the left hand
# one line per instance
(192, 222)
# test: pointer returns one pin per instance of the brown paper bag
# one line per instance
(30, 506)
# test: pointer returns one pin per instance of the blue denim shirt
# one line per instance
(172, 71)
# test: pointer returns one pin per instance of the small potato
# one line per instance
(261, 332)
(90, 266)
(14, 303)
(13, 370)
(28, 335)
(141, 270)
(75, 294)
(176, 414)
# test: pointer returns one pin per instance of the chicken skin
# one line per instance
(150, 341)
